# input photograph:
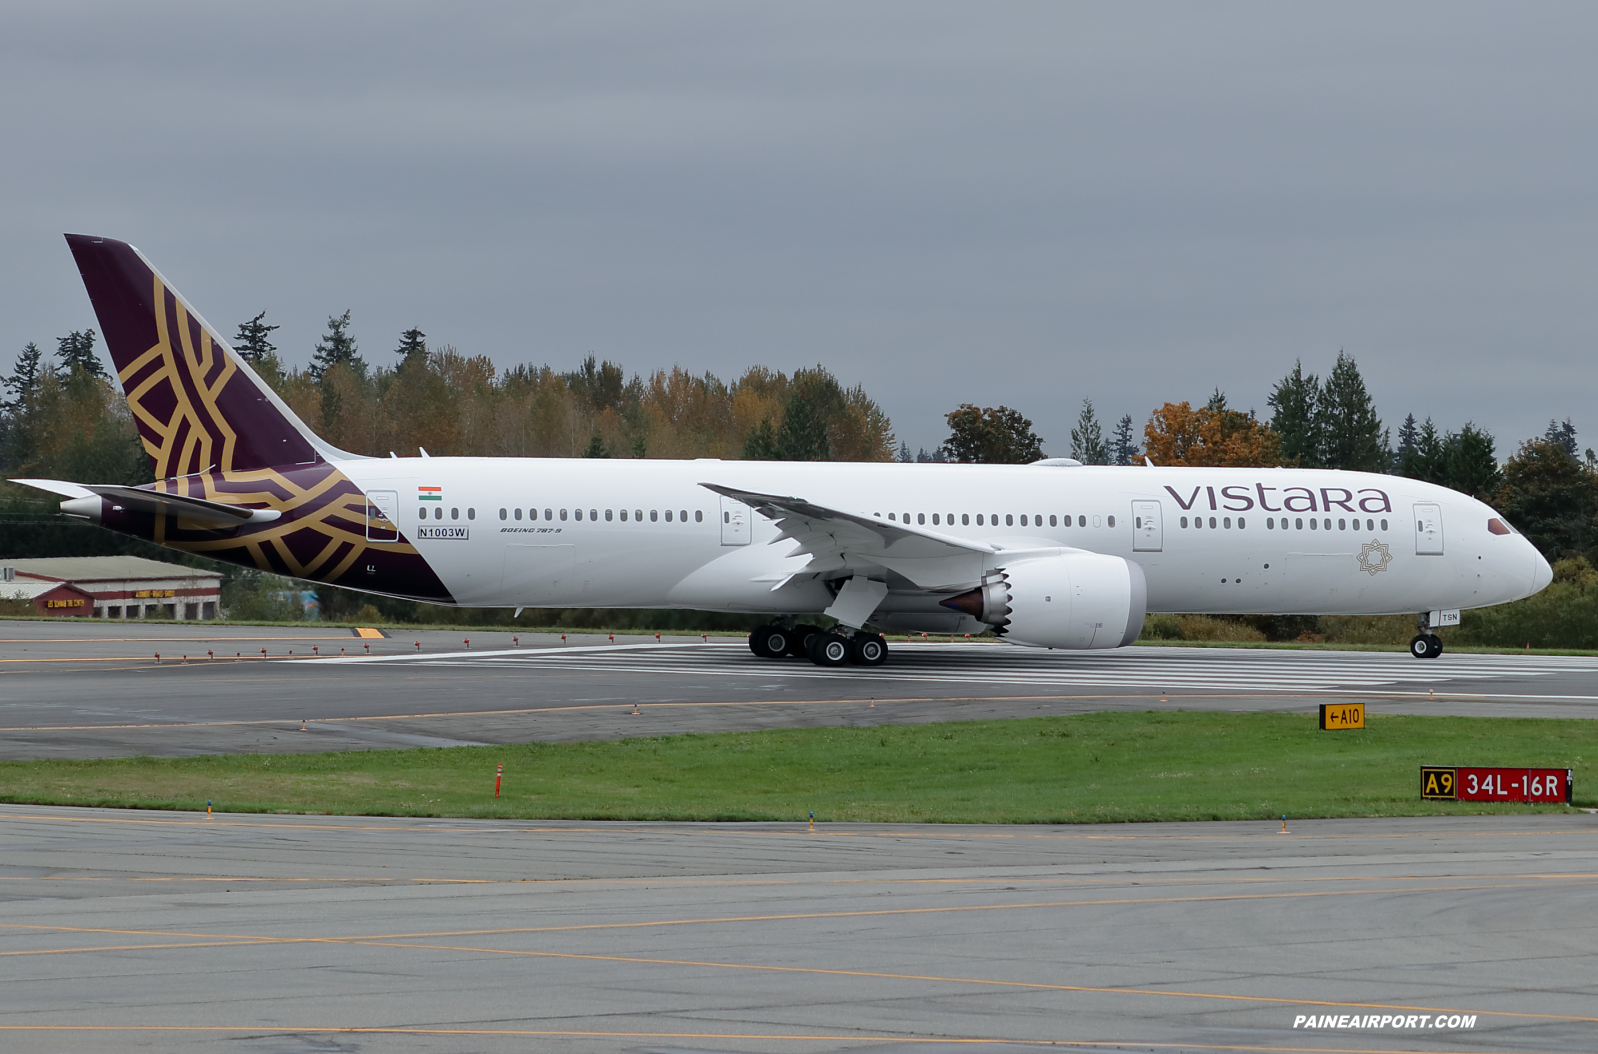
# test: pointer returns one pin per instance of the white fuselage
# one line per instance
(512, 532)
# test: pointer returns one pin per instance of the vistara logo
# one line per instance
(1374, 556)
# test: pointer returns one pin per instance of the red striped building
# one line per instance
(112, 587)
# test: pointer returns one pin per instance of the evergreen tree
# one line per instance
(412, 347)
(761, 444)
(1470, 466)
(1293, 402)
(336, 348)
(1087, 438)
(1123, 447)
(1422, 454)
(1564, 435)
(1408, 437)
(1551, 497)
(24, 380)
(905, 457)
(596, 446)
(252, 342)
(802, 436)
(75, 351)
(1346, 425)
(930, 457)
(991, 435)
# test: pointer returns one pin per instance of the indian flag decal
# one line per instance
(430, 493)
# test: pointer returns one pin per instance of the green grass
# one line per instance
(1090, 768)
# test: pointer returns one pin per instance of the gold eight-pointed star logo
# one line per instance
(1374, 556)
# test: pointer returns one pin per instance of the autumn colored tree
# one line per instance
(1178, 434)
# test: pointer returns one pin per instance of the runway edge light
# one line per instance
(1338, 717)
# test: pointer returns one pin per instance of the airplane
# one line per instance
(1053, 554)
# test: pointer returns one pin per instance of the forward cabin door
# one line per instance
(734, 522)
(1428, 529)
(1147, 526)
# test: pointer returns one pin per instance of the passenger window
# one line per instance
(1328, 523)
(893, 516)
(1384, 525)
(699, 516)
(1052, 520)
(921, 518)
(1212, 523)
(1081, 521)
(1342, 525)
(1023, 519)
(1226, 523)
(577, 514)
(518, 514)
(1298, 524)
(654, 515)
(668, 515)
(907, 517)
(1184, 521)
(682, 514)
(1009, 520)
(607, 515)
(624, 516)
(965, 519)
(593, 514)
(563, 514)
(948, 518)
(471, 514)
(454, 514)
(1111, 522)
(438, 512)
(423, 510)
(934, 519)
(504, 514)
(638, 514)
(1270, 523)
(1240, 523)
(549, 514)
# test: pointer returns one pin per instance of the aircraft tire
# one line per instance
(829, 649)
(1437, 645)
(770, 641)
(868, 649)
(799, 640)
(1422, 647)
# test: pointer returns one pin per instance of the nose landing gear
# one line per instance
(1426, 644)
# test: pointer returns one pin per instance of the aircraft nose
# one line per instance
(1541, 573)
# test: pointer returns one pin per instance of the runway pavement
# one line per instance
(138, 931)
(96, 689)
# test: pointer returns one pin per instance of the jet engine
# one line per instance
(1061, 599)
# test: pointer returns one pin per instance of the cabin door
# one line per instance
(382, 514)
(1428, 529)
(1147, 526)
(734, 522)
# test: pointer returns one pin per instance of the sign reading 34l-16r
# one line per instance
(1462, 783)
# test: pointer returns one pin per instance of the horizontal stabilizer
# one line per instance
(200, 510)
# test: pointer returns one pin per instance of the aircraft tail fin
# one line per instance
(198, 405)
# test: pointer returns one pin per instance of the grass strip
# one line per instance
(1102, 767)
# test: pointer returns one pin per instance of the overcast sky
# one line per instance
(1025, 204)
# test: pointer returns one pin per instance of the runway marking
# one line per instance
(398, 1030)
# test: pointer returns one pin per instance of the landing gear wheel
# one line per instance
(771, 641)
(1437, 645)
(829, 649)
(868, 649)
(799, 640)
(1425, 646)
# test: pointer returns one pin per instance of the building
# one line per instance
(112, 587)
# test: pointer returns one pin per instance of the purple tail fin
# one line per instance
(198, 406)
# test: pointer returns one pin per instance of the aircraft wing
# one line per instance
(200, 510)
(843, 541)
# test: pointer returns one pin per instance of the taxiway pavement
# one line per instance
(280, 934)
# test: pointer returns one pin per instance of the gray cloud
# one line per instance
(1018, 203)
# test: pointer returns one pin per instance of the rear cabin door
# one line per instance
(382, 516)
(734, 522)
(1428, 529)
(1148, 529)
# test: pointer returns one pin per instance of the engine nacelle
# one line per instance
(1061, 599)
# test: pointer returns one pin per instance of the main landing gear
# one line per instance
(822, 647)
(1426, 645)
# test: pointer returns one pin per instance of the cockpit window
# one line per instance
(1497, 526)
